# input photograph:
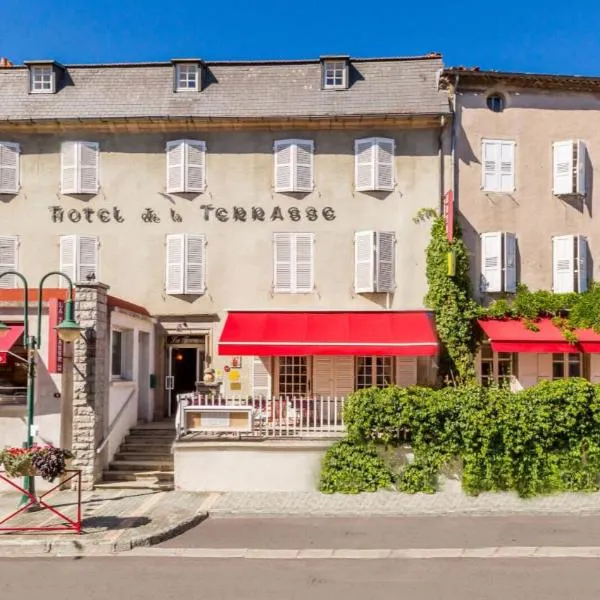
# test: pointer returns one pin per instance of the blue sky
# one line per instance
(549, 37)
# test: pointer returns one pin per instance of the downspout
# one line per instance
(453, 138)
(441, 157)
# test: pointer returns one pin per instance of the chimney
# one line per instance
(5, 63)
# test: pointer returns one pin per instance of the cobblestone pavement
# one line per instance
(113, 521)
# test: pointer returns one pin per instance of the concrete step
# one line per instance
(141, 465)
(133, 485)
(136, 456)
(148, 476)
(153, 432)
(141, 447)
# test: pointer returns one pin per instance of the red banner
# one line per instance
(56, 314)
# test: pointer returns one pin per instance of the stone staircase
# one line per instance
(144, 459)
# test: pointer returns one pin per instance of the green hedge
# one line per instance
(541, 440)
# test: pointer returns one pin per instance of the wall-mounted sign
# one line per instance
(236, 362)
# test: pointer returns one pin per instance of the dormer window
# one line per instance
(335, 73)
(42, 79)
(187, 75)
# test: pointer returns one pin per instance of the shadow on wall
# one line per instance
(47, 392)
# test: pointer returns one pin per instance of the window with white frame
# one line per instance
(79, 167)
(121, 354)
(498, 262)
(186, 264)
(9, 259)
(79, 258)
(374, 164)
(187, 77)
(41, 79)
(375, 371)
(498, 165)
(186, 166)
(293, 262)
(9, 167)
(294, 165)
(569, 264)
(335, 75)
(497, 368)
(568, 364)
(292, 378)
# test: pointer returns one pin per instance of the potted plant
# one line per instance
(46, 461)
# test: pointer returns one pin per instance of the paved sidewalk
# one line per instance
(113, 521)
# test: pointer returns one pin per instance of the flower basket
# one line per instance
(47, 462)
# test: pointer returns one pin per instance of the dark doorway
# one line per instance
(185, 372)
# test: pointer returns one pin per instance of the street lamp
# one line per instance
(68, 331)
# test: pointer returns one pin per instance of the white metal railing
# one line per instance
(276, 417)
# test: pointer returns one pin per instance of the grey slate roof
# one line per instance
(397, 86)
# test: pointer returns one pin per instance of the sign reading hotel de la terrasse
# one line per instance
(208, 212)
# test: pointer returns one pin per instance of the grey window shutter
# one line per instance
(510, 263)
(386, 254)
(175, 166)
(195, 264)
(261, 377)
(9, 168)
(283, 257)
(88, 167)
(68, 258)
(385, 150)
(69, 171)
(195, 166)
(87, 259)
(304, 262)
(284, 161)
(9, 260)
(364, 262)
(175, 274)
(364, 164)
(491, 262)
(303, 167)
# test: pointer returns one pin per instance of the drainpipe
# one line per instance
(441, 157)
(453, 138)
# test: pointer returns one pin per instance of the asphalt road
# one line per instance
(194, 579)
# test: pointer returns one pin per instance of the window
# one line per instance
(9, 168)
(374, 164)
(186, 264)
(495, 102)
(569, 264)
(335, 75)
(293, 268)
(186, 166)
(293, 376)
(79, 258)
(187, 77)
(41, 79)
(79, 168)
(13, 373)
(567, 364)
(569, 160)
(121, 361)
(497, 368)
(9, 255)
(116, 353)
(374, 261)
(498, 262)
(375, 371)
(498, 166)
(294, 165)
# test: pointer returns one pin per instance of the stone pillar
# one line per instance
(90, 380)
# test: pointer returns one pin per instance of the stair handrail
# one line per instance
(111, 427)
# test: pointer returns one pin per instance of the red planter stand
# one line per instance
(69, 524)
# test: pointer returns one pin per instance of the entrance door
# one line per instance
(185, 363)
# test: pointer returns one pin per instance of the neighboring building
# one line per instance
(525, 155)
(255, 218)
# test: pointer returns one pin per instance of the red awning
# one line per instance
(511, 335)
(8, 340)
(332, 333)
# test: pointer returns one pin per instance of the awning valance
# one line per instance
(8, 340)
(511, 335)
(295, 333)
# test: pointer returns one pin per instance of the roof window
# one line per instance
(335, 72)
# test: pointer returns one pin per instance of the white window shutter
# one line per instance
(582, 264)
(364, 164)
(284, 175)
(9, 259)
(88, 167)
(364, 262)
(581, 168)
(175, 166)
(175, 271)
(303, 172)
(69, 168)
(563, 166)
(490, 169)
(195, 264)
(87, 259)
(491, 262)
(304, 271)
(68, 258)
(283, 255)
(261, 377)
(9, 168)
(510, 263)
(406, 371)
(507, 167)
(195, 166)
(563, 263)
(385, 164)
(386, 254)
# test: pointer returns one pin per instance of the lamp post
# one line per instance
(68, 331)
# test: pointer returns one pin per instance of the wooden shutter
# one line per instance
(491, 262)
(544, 366)
(406, 371)
(490, 172)
(88, 167)
(510, 263)
(563, 154)
(175, 166)
(69, 172)
(581, 168)
(68, 258)
(364, 164)
(175, 264)
(195, 166)
(261, 377)
(9, 259)
(364, 262)
(87, 259)
(582, 264)
(195, 264)
(385, 164)
(563, 263)
(282, 261)
(507, 166)
(322, 378)
(386, 252)
(304, 275)
(9, 168)
(284, 150)
(303, 167)
(333, 376)
(343, 373)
